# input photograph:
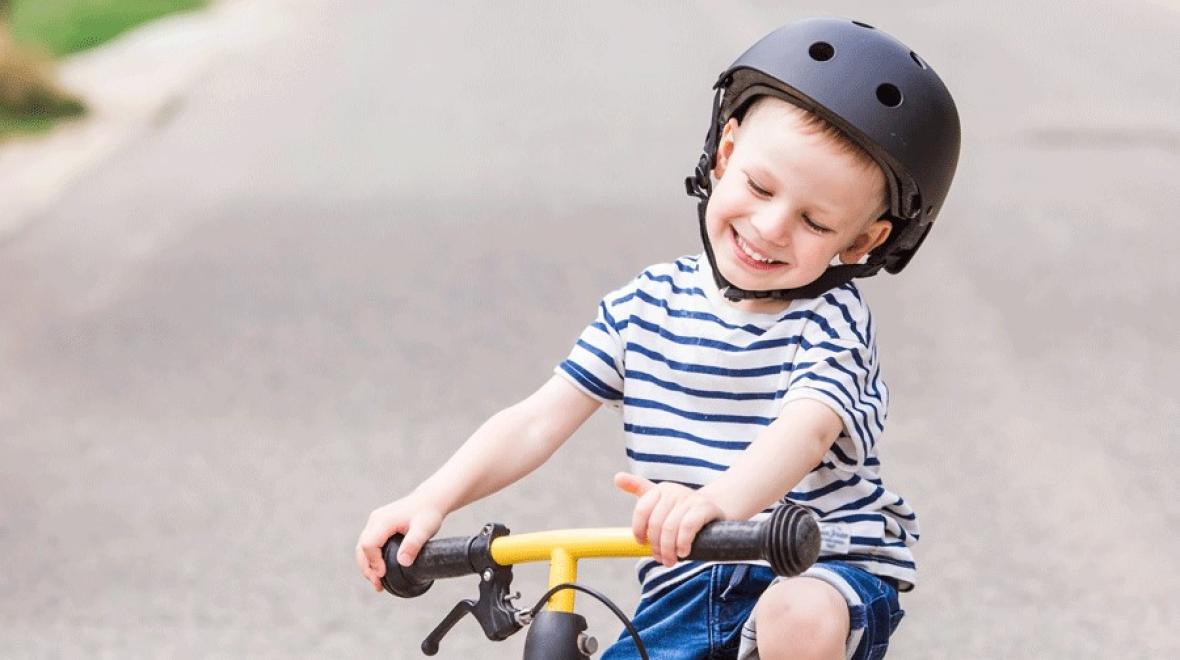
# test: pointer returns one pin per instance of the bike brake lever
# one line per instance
(494, 610)
(430, 644)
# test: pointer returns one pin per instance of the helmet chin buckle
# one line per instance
(699, 185)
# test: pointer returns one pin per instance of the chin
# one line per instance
(741, 279)
(738, 277)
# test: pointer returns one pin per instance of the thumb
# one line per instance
(412, 543)
(632, 483)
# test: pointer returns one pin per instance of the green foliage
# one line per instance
(30, 99)
(67, 26)
(11, 124)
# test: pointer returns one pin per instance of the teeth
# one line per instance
(751, 253)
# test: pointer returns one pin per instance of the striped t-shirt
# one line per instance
(696, 380)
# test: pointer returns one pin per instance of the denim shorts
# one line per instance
(707, 616)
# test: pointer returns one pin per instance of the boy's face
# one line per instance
(788, 200)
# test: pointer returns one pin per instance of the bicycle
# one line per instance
(789, 540)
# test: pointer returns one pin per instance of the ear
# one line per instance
(725, 148)
(866, 241)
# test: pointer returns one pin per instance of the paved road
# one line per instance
(287, 302)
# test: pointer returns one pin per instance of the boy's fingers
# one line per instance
(368, 548)
(655, 524)
(407, 553)
(361, 560)
(384, 522)
(412, 543)
(639, 517)
(374, 566)
(690, 525)
(670, 534)
(377, 531)
(633, 484)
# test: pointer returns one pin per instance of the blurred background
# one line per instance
(265, 264)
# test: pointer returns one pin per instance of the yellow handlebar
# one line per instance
(562, 549)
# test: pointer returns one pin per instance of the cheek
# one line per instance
(724, 205)
(715, 217)
(817, 253)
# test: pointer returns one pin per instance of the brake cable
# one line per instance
(532, 612)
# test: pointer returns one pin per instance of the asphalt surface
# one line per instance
(295, 295)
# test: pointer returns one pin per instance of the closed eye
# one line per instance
(757, 189)
(817, 228)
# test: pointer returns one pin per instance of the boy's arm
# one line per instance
(669, 515)
(778, 459)
(529, 432)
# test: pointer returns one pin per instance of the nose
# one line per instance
(773, 225)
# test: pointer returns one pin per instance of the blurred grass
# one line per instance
(13, 124)
(68, 26)
(39, 30)
(30, 100)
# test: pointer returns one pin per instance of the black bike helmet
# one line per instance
(877, 91)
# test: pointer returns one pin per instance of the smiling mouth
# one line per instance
(749, 255)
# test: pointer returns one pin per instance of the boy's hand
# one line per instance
(668, 516)
(417, 520)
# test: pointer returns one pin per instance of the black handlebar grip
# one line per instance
(789, 541)
(439, 558)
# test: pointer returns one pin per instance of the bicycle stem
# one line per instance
(562, 549)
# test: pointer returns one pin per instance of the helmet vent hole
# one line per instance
(929, 210)
(821, 51)
(863, 25)
(889, 95)
(917, 60)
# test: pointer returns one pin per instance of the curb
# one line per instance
(129, 84)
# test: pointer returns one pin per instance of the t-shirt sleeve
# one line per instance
(595, 364)
(845, 376)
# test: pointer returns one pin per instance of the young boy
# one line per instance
(749, 375)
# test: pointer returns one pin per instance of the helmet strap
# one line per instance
(831, 278)
(700, 185)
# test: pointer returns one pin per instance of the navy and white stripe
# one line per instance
(697, 379)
